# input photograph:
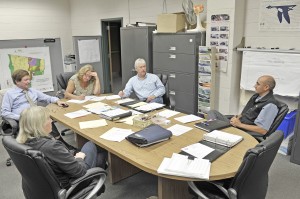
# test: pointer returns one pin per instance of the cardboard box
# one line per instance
(171, 23)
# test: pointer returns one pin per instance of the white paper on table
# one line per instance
(95, 105)
(134, 112)
(198, 150)
(137, 104)
(77, 101)
(75, 114)
(116, 134)
(188, 118)
(124, 100)
(92, 124)
(112, 97)
(98, 98)
(149, 107)
(89, 97)
(167, 113)
(114, 112)
(128, 120)
(178, 129)
(99, 110)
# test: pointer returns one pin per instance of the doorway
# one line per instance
(111, 56)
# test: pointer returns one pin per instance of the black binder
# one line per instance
(212, 125)
(150, 135)
(127, 104)
(219, 150)
(116, 117)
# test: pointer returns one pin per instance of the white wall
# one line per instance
(31, 19)
(268, 39)
(86, 15)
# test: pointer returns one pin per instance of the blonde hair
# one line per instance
(83, 70)
(32, 121)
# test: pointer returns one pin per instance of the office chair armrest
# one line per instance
(172, 103)
(90, 174)
(199, 193)
(232, 193)
(13, 124)
(259, 137)
(196, 190)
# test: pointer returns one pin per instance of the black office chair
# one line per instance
(169, 101)
(39, 180)
(8, 126)
(283, 109)
(250, 181)
(62, 82)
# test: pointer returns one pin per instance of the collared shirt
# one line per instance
(144, 88)
(266, 116)
(14, 101)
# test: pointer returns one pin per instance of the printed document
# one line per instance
(198, 150)
(95, 105)
(188, 118)
(178, 129)
(116, 134)
(167, 113)
(75, 114)
(92, 124)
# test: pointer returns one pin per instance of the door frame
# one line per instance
(105, 50)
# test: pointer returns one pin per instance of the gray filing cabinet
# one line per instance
(136, 42)
(177, 56)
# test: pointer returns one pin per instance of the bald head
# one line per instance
(269, 81)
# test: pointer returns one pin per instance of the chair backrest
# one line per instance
(283, 109)
(38, 179)
(251, 180)
(63, 78)
(166, 98)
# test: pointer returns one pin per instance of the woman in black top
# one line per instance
(35, 126)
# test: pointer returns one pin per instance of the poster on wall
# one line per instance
(35, 60)
(219, 38)
(279, 15)
(88, 51)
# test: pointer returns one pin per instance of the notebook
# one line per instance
(222, 138)
(212, 125)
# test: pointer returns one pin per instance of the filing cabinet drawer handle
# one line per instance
(172, 56)
(172, 76)
(172, 92)
(173, 48)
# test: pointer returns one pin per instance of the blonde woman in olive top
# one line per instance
(85, 82)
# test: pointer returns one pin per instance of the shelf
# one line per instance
(269, 50)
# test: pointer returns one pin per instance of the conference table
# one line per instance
(126, 159)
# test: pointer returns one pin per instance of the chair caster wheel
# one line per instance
(8, 163)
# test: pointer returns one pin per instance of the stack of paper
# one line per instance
(92, 124)
(180, 165)
(167, 113)
(149, 107)
(222, 138)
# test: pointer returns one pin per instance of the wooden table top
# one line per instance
(149, 158)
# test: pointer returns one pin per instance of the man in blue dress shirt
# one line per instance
(22, 96)
(146, 86)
